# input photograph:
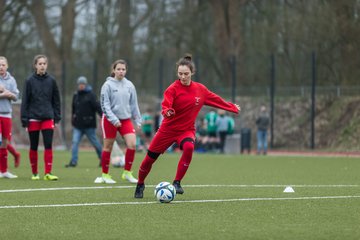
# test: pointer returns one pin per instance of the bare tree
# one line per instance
(10, 19)
(347, 24)
(58, 52)
(227, 33)
(126, 27)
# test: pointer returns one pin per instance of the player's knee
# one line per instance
(188, 146)
(153, 155)
(131, 144)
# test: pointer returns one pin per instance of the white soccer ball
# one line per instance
(165, 192)
(118, 161)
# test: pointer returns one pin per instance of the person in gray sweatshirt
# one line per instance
(119, 104)
(8, 92)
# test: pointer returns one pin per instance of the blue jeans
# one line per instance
(262, 141)
(77, 135)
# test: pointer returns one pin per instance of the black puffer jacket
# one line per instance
(262, 122)
(84, 108)
(41, 99)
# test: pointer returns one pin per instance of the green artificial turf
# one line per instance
(226, 197)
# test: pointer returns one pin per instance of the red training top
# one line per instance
(186, 103)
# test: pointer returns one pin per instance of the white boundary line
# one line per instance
(177, 202)
(189, 186)
(60, 189)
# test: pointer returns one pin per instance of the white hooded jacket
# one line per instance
(9, 83)
(118, 100)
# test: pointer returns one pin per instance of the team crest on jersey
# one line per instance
(197, 100)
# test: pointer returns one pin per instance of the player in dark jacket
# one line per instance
(262, 123)
(40, 111)
(84, 108)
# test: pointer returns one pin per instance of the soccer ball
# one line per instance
(165, 192)
(118, 161)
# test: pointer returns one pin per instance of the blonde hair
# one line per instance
(5, 59)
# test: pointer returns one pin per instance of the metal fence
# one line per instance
(290, 91)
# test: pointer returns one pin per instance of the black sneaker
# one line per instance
(139, 191)
(178, 188)
(70, 165)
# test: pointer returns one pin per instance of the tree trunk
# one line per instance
(227, 34)
(67, 29)
(57, 54)
(125, 31)
(349, 33)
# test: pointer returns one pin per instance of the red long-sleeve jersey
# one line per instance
(186, 103)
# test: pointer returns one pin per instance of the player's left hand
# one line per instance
(238, 107)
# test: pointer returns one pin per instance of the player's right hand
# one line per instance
(170, 113)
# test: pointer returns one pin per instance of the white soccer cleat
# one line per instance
(127, 175)
(99, 180)
(7, 175)
(107, 178)
(109, 181)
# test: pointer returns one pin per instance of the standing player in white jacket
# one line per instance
(119, 104)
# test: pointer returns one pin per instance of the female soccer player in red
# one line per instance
(182, 102)
(40, 111)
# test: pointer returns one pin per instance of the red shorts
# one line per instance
(5, 127)
(37, 125)
(163, 140)
(109, 130)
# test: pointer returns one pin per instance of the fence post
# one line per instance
(272, 97)
(95, 76)
(233, 78)
(161, 76)
(313, 86)
(63, 106)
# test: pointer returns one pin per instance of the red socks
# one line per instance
(105, 161)
(145, 168)
(188, 149)
(33, 156)
(129, 159)
(3, 160)
(11, 149)
(48, 159)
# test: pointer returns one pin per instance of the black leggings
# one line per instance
(47, 137)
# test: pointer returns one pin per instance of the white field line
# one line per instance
(189, 186)
(178, 202)
(61, 188)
